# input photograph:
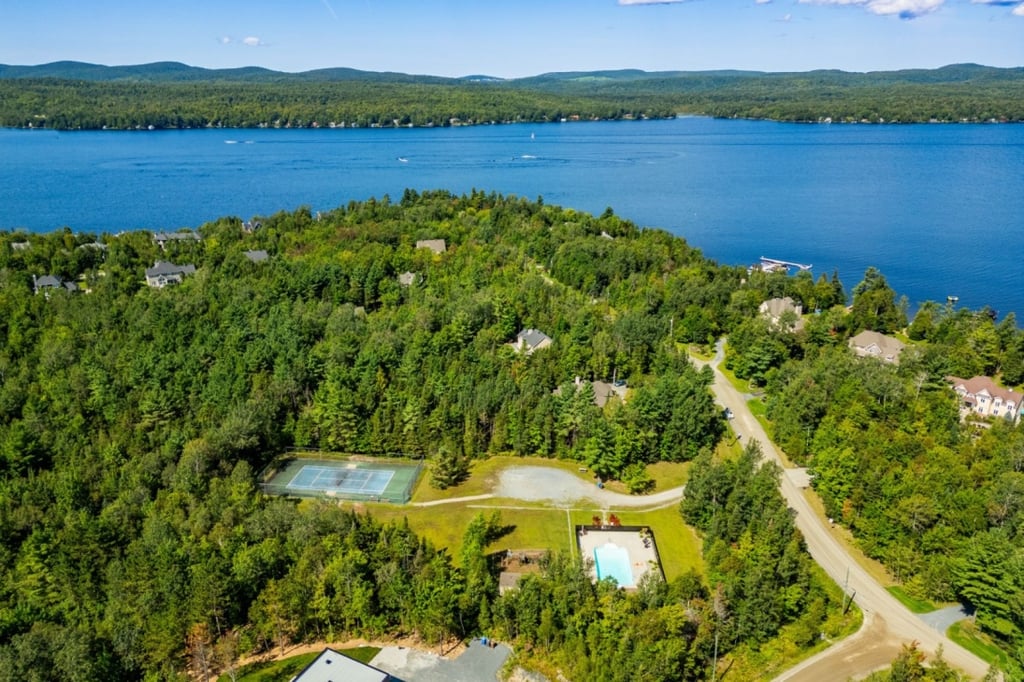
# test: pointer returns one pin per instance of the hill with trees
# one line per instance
(134, 422)
(74, 95)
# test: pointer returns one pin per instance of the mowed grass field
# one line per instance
(535, 526)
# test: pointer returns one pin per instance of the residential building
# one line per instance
(163, 273)
(530, 340)
(435, 245)
(876, 345)
(775, 309)
(982, 396)
(48, 283)
(333, 666)
(257, 256)
(407, 279)
(161, 238)
(603, 391)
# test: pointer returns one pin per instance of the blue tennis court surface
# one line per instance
(341, 480)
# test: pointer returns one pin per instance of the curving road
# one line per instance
(887, 623)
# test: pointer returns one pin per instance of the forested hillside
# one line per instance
(134, 421)
(72, 95)
(135, 542)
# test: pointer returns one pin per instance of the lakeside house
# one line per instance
(48, 283)
(161, 238)
(163, 273)
(435, 245)
(876, 345)
(982, 396)
(776, 309)
(257, 256)
(530, 340)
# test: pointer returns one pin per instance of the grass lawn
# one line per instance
(967, 635)
(286, 668)
(915, 604)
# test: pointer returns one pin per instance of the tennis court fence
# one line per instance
(320, 475)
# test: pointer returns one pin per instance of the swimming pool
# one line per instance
(612, 561)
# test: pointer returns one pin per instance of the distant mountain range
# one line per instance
(74, 95)
(171, 72)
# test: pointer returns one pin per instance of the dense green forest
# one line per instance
(71, 95)
(135, 542)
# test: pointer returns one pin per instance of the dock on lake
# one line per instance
(773, 263)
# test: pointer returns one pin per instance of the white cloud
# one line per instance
(762, 2)
(904, 9)
(253, 41)
(225, 40)
(650, 2)
(1019, 10)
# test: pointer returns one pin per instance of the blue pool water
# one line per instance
(612, 561)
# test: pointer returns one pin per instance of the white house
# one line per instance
(333, 666)
(982, 396)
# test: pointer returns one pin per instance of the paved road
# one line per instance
(887, 623)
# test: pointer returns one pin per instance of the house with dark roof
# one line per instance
(982, 396)
(161, 238)
(48, 283)
(435, 245)
(163, 273)
(334, 666)
(869, 344)
(530, 340)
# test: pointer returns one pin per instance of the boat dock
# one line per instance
(773, 263)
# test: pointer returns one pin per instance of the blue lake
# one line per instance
(939, 209)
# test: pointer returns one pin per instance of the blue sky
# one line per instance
(511, 38)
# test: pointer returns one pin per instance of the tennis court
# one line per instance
(386, 481)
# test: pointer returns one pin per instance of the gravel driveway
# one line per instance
(537, 483)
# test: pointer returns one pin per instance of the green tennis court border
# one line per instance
(275, 478)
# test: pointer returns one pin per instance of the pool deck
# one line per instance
(642, 559)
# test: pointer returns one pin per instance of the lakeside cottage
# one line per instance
(48, 283)
(161, 238)
(774, 309)
(876, 345)
(982, 396)
(163, 273)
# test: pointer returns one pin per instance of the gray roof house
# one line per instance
(257, 256)
(162, 238)
(530, 340)
(163, 273)
(603, 391)
(435, 245)
(333, 666)
(774, 308)
(407, 279)
(46, 283)
(875, 345)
